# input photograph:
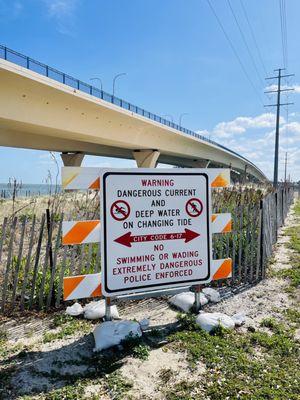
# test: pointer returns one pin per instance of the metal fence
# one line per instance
(52, 73)
(274, 210)
(33, 262)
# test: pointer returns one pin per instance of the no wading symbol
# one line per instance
(194, 207)
(120, 210)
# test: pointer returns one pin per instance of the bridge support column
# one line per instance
(146, 158)
(201, 163)
(72, 159)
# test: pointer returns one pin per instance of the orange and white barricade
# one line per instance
(82, 286)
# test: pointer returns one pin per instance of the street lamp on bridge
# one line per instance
(114, 81)
(180, 117)
(168, 116)
(97, 79)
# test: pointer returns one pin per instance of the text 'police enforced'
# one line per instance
(156, 230)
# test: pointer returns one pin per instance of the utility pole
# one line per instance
(285, 167)
(278, 104)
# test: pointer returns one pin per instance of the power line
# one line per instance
(278, 105)
(283, 27)
(285, 31)
(234, 50)
(245, 42)
(253, 37)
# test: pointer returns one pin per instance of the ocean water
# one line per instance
(27, 190)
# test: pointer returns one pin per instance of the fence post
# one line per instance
(18, 264)
(3, 234)
(8, 262)
(27, 266)
(276, 214)
(36, 262)
(262, 240)
(282, 206)
(259, 237)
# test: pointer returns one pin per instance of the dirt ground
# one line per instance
(52, 357)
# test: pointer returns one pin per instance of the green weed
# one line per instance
(292, 315)
(70, 392)
(135, 346)
(253, 365)
(68, 327)
(117, 385)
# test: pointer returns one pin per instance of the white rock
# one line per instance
(209, 321)
(239, 318)
(212, 295)
(111, 333)
(96, 310)
(144, 323)
(185, 300)
(74, 310)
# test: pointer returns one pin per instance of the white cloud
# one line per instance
(240, 124)
(275, 87)
(293, 127)
(63, 12)
(253, 138)
(60, 8)
(10, 10)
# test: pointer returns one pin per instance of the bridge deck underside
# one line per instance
(39, 113)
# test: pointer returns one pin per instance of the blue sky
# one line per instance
(177, 60)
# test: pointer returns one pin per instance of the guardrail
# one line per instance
(52, 73)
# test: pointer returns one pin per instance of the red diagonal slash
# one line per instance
(119, 210)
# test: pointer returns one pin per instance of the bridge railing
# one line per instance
(52, 73)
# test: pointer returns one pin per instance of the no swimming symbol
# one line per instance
(194, 207)
(120, 210)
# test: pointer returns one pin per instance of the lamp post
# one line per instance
(180, 117)
(114, 81)
(98, 79)
(168, 116)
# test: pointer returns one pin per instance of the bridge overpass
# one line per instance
(43, 108)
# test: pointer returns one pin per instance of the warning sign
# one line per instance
(155, 229)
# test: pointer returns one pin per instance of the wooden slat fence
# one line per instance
(33, 262)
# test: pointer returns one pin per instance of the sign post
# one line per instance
(155, 229)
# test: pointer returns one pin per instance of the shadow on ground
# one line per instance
(41, 372)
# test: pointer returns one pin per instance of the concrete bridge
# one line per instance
(42, 108)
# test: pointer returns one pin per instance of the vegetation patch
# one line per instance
(256, 365)
(68, 326)
(293, 273)
(69, 392)
(292, 315)
(117, 386)
(136, 347)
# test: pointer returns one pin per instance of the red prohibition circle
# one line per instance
(120, 210)
(194, 207)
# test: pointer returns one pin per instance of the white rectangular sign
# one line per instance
(155, 229)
